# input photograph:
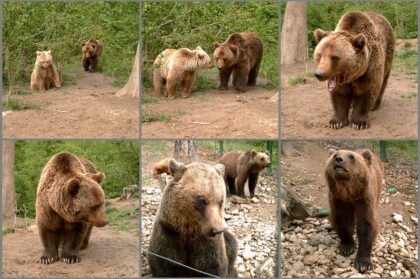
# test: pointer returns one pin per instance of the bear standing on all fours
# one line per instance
(356, 60)
(189, 227)
(69, 202)
(242, 166)
(355, 181)
(92, 51)
(45, 74)
(174, 66)
(240, 56)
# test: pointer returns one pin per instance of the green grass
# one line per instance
(295, 80)
(398, 149)
(8, 230)
(154, 117)
(409, 95)
(149, 99)
(202, 84)
(123, 219)
(17, 105)
(406, 59)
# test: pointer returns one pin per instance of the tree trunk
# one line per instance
(290, 149)
(185, 149)
(294, 34)
(8, 188)
(131, 88)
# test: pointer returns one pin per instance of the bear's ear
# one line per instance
(49, 51)
(216, 45)
(233, 48)
(358, 41)
(38, 53)
(331, 151)
(367, 154)
(176, 169)
(98, 177)
(83, 44)
(200, 56)
(73, 186)
(198, 48)
(267, 153)
(220, 169)
(320, 34)
(253, 153)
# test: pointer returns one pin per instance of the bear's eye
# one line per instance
(351, 157)
(95, 207)
(78, 212)
(335, 59)
(201, 201)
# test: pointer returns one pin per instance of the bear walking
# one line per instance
(45, 74)
(92, 51)
(189, 226)
(242, 166)
(174, 66)
(69, 202)
(240, 56)
(355, 184)
(356, 60)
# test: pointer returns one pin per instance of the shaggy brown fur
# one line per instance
(45, 75)
(161, 167)
(242, 166)
(356, 60)
(240, 55)
(174, 66)
(69, 201)
(355, 182)
(189, 227)
(92, 51)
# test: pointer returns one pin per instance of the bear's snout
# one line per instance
(101, 223)
(216, 231)
(320, 76)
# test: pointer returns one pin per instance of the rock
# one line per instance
(248, 254)
(338, 270)
(415, 219)
(297, 266)
(378, 270)
(397, 217)
(310, 259)
(235, 212)
(255, 200)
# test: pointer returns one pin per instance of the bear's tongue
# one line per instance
(332, 83)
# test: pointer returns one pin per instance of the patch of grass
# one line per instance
(149, 99)
(68, 80)
(409, 95)
(154, 146)
(407, 60)
(17, 105)
(21, 91)
(8, 230)
(407, 52)
(124, 219)
(203, 84)
(305, 181)
(153, 117)
(295, 80)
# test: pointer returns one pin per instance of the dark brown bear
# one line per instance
(242, 166)
(69, 202)
(92, 51)
(356, 60)
(240, 55)
(355, 182)
(189, 227)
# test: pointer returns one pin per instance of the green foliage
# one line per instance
(117, 159)
(407, 59)
(189, 24)
(17, 105)
(152, 117)
(62, 28)
(124, 219)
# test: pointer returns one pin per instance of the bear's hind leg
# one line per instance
(240, 181)
(252, 76)
(50, 241)
(341, 105)
(252, 184)
(224, 76)
(230, 186)
(158, 83)
(72, 240)
(379, 100)
(342, 219)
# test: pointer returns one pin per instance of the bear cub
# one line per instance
(45, 75)
(242, 166)
(92, 51)
(69, 202)
(355, 180)
(189, 226)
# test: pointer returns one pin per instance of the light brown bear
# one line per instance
(356, 60)
(189, 226)
(355, 181)
(92, 51)
(69, 202)
(240, 56)
(174, 66)
(242, 166)
(45, 75)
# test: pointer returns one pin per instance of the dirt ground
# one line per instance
(306, 108)
(111, 253)
(215, 114)
(88, 109)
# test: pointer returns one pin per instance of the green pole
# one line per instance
(270, 151)
(220, 147)
(382, 150)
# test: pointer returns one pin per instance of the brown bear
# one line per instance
(356, 60)
(45, 75)
(174, 66)
(69, 202)
(189, 226)
(355, 180)
(242, 166)
(92, 51)
(240, 55)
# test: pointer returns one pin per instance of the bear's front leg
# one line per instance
(86, 64)
(367, 229)
(240, 181)
(186, 83)
(342, 219)
(252, 184)
(341, 104)
(93, 64)
(41, 85)
(224, 76)
(73, 237)
(50, 240)
(360, 114)
(171, 88)
(240, 76)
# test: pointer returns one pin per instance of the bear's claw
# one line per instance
(347, 250)
(360, 126)
(46, 260)
(363, 265)
(71, 259)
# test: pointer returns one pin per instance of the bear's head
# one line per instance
(44, 58)
(226, 54)
(83, 199)
(195, 59)
(89, 49)
(193, 200)
(349, 165)
(340, 57)
(257, 160)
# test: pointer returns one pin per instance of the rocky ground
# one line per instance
(253, 222)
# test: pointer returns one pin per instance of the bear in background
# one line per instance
(174, 66)
(69, 202)
(240, 56)
(356, 60)
(355, 181)
(189, 227)
(92, 51)
(45, 75)
(242, 166)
